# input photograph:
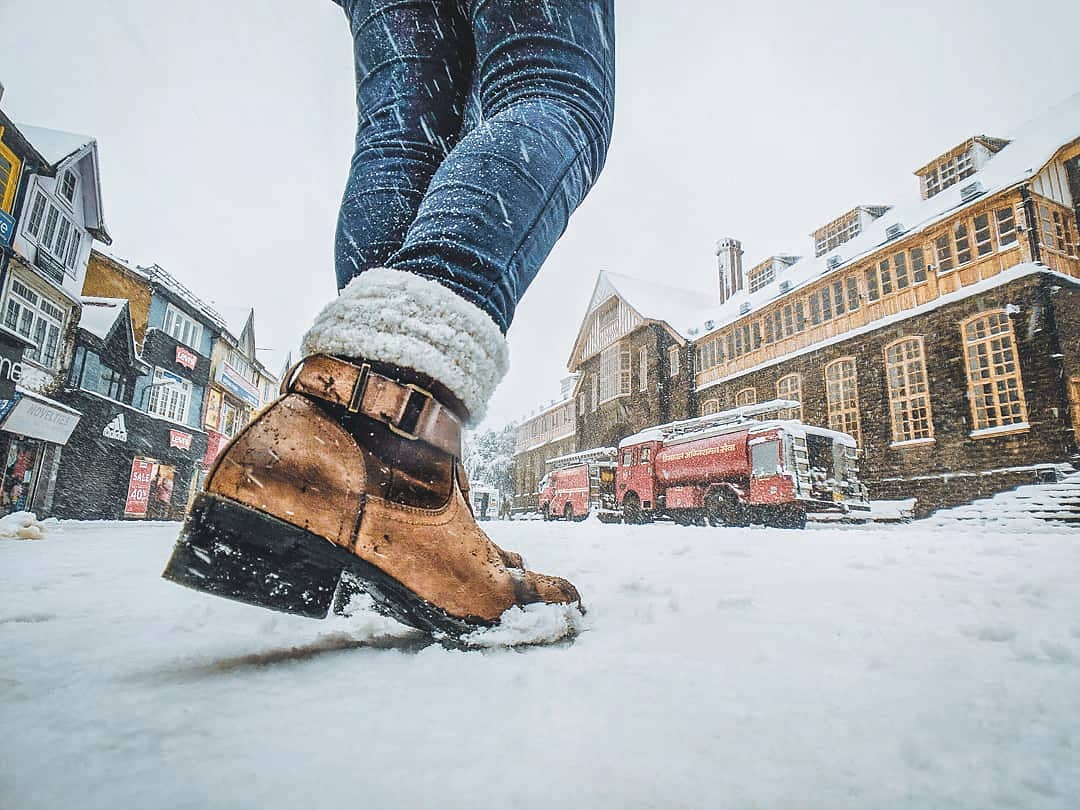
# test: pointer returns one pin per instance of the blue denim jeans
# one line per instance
(482, 125)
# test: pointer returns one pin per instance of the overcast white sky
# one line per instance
(225, 130)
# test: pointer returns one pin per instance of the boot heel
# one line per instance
(229, 550)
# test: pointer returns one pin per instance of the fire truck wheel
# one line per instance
(568, 513)
(724, 509)
(631, 509)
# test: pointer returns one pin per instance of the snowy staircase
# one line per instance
(1050, 505)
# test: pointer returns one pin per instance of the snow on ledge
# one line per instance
(1000, 430)
(912, 443)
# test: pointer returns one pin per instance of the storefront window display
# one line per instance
(18, 475)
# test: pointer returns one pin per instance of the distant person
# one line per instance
(482, 126)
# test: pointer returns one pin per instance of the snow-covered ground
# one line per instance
(840, 667)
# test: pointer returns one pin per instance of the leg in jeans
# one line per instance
(488, 212)
(414, 63)
(545, 83)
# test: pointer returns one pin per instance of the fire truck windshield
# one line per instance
(765, 459)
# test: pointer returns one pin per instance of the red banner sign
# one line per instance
(185, 358)
(214, 442)
(177, 438)
(142, 474)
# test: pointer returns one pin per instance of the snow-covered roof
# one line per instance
(57, 147)
(672, 305)
(53, 144)
(1032, 146)
(99, 315)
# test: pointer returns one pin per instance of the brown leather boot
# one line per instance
(355, 468)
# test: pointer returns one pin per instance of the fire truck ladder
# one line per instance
(583, 457)
(802, 461)
(746, 413)
(594, 488)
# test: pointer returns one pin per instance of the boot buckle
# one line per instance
(357, 398)
(407, 423)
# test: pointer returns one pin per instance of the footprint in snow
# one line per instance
(28, 618)
(989, 632)
(734, 603)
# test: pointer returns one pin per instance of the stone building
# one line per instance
(174, 332)
(632, 363)
(122, 461)
(550, 433)
(942, 332)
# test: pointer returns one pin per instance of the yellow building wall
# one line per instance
(107, 279)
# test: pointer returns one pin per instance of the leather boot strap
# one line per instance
(407, 410)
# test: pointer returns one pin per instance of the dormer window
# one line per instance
(959, 163)
(845, 228)
(68, 184)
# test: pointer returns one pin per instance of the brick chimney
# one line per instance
(729, 267)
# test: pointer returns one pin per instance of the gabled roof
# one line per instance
(1031, 148)
(99, 315)
(61, 148)
(15, 136)
(651, 302)
(56, 145)
(105, 319)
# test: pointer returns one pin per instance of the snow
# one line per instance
(54, 145)
(100, 314)
(840, 667)
(674, 306)
(21, 526)
(1015, 427)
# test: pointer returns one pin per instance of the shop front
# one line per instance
(125, 464)
(33, 429)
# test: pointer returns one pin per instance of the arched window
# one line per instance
(790, 387)
(710, 406)
(747, 396)
(909, 393)
(995, 389)
(842, 396)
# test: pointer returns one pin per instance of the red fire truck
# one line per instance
(733, 469)
(578, 484)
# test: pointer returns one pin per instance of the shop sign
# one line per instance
(185, 358)
(214, 442)
(7, 228)
(11, 367)
(179, 439)
(116, 429)
(232, 381)
(41, 420)
(7, 404)
(138, 496)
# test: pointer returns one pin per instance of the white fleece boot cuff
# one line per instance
(402, 318)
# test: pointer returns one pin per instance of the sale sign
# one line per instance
(142, 475)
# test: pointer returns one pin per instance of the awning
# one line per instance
(39, 417)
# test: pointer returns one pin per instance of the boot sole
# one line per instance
(236, 552)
